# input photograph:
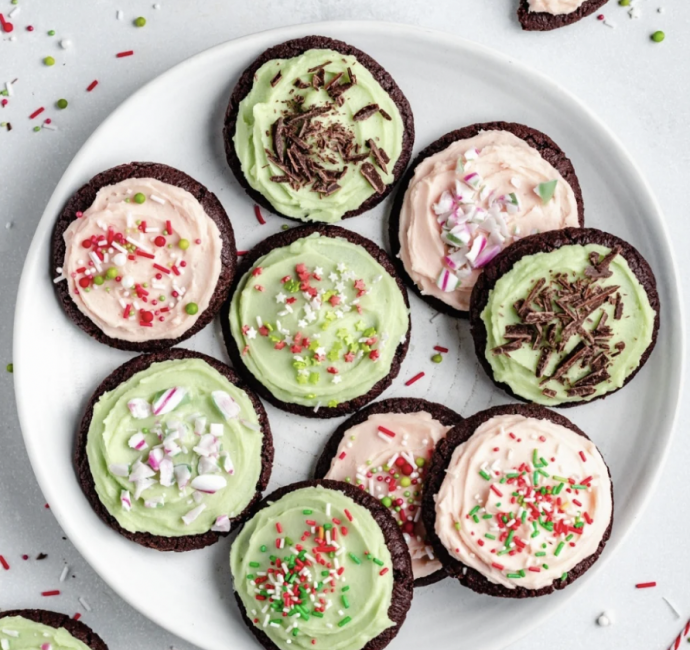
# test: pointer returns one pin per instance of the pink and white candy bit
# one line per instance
(166, 472)
(209, 483)
(155, 458)
(227, 463)
(193, 514)
(119, 469)
(138, 442)
(222, 524)
(46, 646)
(228, 407)
(125, 500)
(139, 408)
(169, 400)
(183, 474)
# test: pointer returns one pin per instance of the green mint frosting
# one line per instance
(352, 586)
(19, 633)
(318, 322)
(209, 442)
(264, 104)
(635, 328)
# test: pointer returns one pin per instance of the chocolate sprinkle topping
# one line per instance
(369, 172)
(365, 113)
(276, 79)
(555, 311)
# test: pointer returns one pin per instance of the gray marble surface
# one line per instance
(640, 89)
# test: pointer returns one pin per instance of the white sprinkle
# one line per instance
(50, 127)
(5, 644)
(63, 574)
(8, 632)
(157, 6)
(157, 199)
(65, 43)
(138, 244)
(84, 604)
(59, 278)
(152, 230)
(13, 12)
(603, 620)
(119, 15)
(672, 606)
(8, 88)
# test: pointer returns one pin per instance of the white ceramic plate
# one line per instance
(177, 119)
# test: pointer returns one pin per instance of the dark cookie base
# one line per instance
(467, 576)
(285, 238)
(546, 243)
(439, 412)
(85, 478)
(77, 629)
(540, 21)
(294, 48)
(546, 147)
(403, 583)
(84, 198)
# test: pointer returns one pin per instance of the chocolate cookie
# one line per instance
(540, 21)
(583, 295)
(77, 629)
(404, 405)
(403, 585)
(85, 197)
(86, 480)
(283, 239)
(294, 48)
(467, 575)
(547, 149)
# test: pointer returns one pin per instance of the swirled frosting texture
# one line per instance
(132, 277)
(19, 633)
(175, 449)
(340, 602)
(524, 501)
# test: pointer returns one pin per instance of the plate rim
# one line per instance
(675, 310)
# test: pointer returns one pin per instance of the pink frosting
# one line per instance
(155, 278)
(477, 493)
(365, 451)
(555, 7)
(505, 165)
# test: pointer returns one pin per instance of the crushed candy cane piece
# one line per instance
(169, 400)
(192, 515)
(125, 500)
(209, 483)
(139, 408)
(222, 524)
(183, 474)
(227, 406)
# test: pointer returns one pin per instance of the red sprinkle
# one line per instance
(496, 565)
(4, 564)
(161, 268)
(92, 85)
(168, 227)
(8, 27)
(279, 528)
(77, 616)
(600, 17)
(348, 515)
(259, 216)
(438, 348)
(142, 253)
(54, 592)
(387, 432)
(645, 585)
(342, 455)
(417, 377)
(383, 571)
(496, 490)
(37, 112)
(121, 55)
(582, 455)
(242, 252)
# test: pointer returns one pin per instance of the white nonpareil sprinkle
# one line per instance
(65, 43)
(84, 604)
(9, 89)
(65, 571)
(603, 620)
(120, 14)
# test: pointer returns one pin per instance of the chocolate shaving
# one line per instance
(507, 347)
(276, 79)
(385, 115)
(369, 172)
(319, 67)
(301, 84)
(379, 155)
(333, 80)
(366, 112)
(618, 309)
(544, 358)
(279, 138)
(549, 392)
(580, 391)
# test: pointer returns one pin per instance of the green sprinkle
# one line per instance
(140, 22)
(37, 129)
(569, 537)
(535, 457)
(437, 358)
(255, 565)
(345, 621)
(535, 478)
(546, 190)
(250, 576)
(284, 227)
(509, 539)
(540, 554)
(476, 519)
(139, 198)
(317, 614)
(624, 3)
(62, 103)
(9, 367)
(578, 487)
(183, 244)
(111, 273)
(559, 548)
(51, 32)
(346, 588)
(514, 576)
(306, 512)
(295, 631)
(564, 576)
(487, 516)
(474, 510)
(560, 478)
(377, 561)
(543, 473)
(545, 567)
(458, 525)
(49, 60)
(346, 602)
(191, 308)
(558, 488)
(484, 475)
(658, 36)
(489, 536)
(354, 558)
